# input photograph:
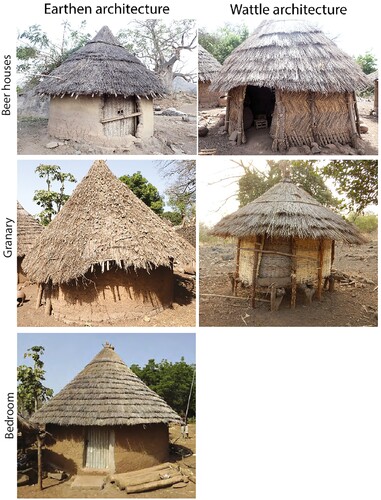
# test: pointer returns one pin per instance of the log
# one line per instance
(39, 295)
(146, 478)
(134, 473)
(154, 485)
(222, 296)
(116, 118)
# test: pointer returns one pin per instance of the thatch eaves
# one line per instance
(106, 392)
(286, 210)
(28, 230)
(290, 55)
(104, 222)
(102, 66)
(208, 66)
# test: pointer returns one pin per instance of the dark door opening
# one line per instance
(258, 107)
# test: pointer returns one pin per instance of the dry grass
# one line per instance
(28, 230)
(208, 66)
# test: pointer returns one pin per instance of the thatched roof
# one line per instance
(103, 221)
(28, 230)
(292, 56)
(26, 427)
(106, 392)
(208, 66)
(102, 66)
(287, 210)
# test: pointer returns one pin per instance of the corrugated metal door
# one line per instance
(98, 448)
(116, 111)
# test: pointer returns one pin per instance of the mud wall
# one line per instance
(66, 448)
(206, 97)
(113, 295)
(145, 121)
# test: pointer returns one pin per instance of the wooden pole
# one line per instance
(236, 273)
(39, 295)
(320, 271)
(375, 97)
(39, 461)
(227, 121)
(293, 274)
(332, 253)
(254, 278)
(354, 132)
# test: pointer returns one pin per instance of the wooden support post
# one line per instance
(331, 283)
(357, 116)
(355, 134)
(320, 271)
(236, 272)
(39, 461)
(272, 297)
(227, 121)
(39, 295)
(375, 106)
(254, 278)
(332, 253)
(293, 274)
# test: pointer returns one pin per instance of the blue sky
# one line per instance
(28, 181)
(66, 354)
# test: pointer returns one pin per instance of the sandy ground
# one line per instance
(182, 312)
(259, 141)
(172, 134)
(348, 305)
(55, 489)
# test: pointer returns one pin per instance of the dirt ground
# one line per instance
(259, 141)
(182, 312)
(55, 489)
(172, 135)
(349, 305)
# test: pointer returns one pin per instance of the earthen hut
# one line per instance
(208, 67)
(106, 420)
(101, 93)
(285, 240)
(28, 230)
(106, 255)
(291, 79)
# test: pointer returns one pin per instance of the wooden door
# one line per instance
(99, 448)
(117, 120)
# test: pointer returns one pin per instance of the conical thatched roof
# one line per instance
(103, 221)
(208, 66)
(287, 210)
(28, 230)
(293, 56)
(102, 66)
(106, 392)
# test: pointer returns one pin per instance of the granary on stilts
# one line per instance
(106, 255)
(290, 78)
(208, 67)
(285, 240)
(28, 230)
(106, 419)
(101, 93)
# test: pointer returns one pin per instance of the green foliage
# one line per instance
(182, 190)
(368, 62)
(38, 56)
(173, 217)
(145, 191)
(303, 173)
(224, 40)
(172, 381)
(51, 201)
(31, 392)
(357, 180)
(366, 223)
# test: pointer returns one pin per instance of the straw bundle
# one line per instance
(106, 392)
(208, 66)
(102, 66)
(103, 222)
(290, 55)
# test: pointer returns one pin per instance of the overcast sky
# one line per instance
(66, 354)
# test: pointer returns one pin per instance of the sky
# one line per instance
(28, 181)
(66, 354)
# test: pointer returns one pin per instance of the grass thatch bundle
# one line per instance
(28, 230)
(102, 66)
(106, 392)
(103, 222)
(292, 56)
(208, 66)
(286, 210)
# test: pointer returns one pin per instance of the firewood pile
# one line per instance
(152, 478)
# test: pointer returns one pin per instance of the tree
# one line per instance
(224, 40)
(37, 55)
(145, 191)
(368, 62)
(357, 180)
(182, 190)
(31, 392)
(303, 173)
(51, 201)
(159, 45)
(174, 382)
